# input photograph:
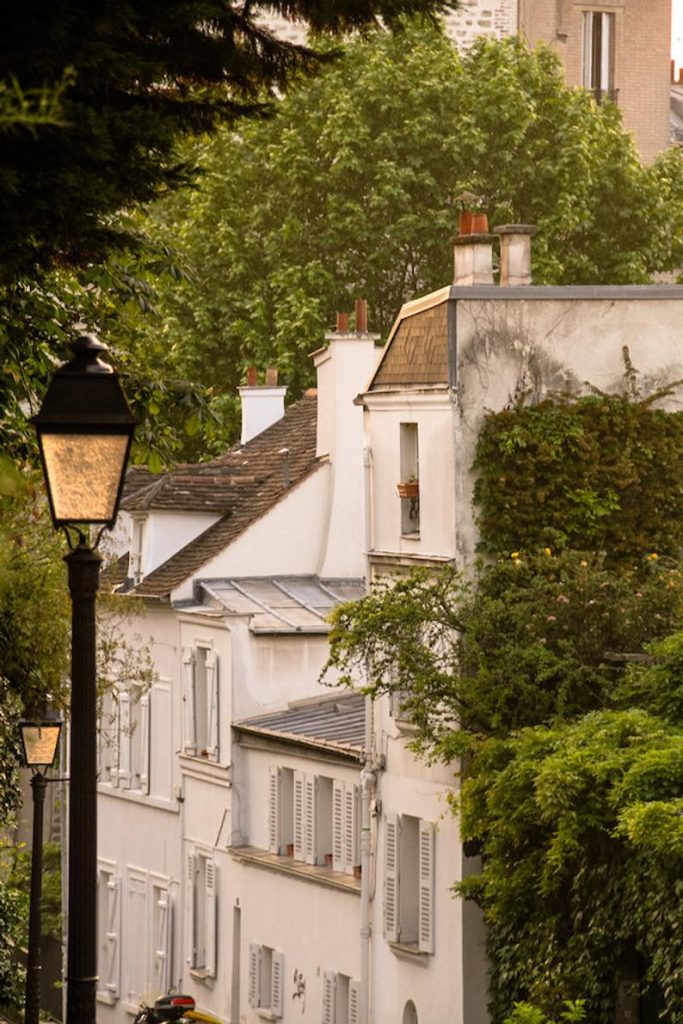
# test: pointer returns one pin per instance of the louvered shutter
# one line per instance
(114, 739)
(351, 836)
(190, 876)
(210, 904)
(391, 877)
(144, 742)
(426, 897)
(354, 1002)
(277, 980)
(310, 819)
(112, 935)
(329, 997)
(299, 846)
(125, 741)
(338, 835)
(212, 704)
(274, 825)
(254, 994)
(189, 729)
(162, 942)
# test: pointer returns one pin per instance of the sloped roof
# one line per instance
(283, 604)
(416, 352)
(243, 484)
(330, 722)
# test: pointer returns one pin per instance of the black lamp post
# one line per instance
(85, 429)
(39, 741)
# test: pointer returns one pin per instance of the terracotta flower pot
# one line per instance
(409, 489)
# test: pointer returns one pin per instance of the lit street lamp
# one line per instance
(39, 741)
(85, 429)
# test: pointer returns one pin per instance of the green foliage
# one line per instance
(580, 872)
(598, 472)
(16, 872)
(350, 190)
(535, 638)
(525, 1013)
(12, 908)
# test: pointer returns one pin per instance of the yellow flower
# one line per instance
(653, 557)
(583, 563)
(548, 551)
(515, 554)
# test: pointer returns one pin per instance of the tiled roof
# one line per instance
(330, 722)
(243, 484)
(417, 352)
(283, 604)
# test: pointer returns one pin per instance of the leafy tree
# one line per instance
(143, 73)
(350, 190)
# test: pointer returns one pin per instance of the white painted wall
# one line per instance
(168, 532)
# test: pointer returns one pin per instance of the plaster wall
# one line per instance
(506, 348)
(430, 411)
(168, 532)
(288, 539)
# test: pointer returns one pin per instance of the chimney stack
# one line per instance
(515, 253)
(473, 259)
(361, 316)
(262, 404)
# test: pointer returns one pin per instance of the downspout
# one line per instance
(368, 781)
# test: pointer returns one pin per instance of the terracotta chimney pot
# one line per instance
(271, 377)
(252, 376)
(361, 316)
(342, 323)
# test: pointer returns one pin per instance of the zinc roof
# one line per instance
(336, 722)
(283, 604)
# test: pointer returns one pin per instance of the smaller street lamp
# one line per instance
(85, 430)
(39, 741)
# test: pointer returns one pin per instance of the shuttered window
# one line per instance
(409, 881)
(340, 999)
(108, 933)
(161, 938)
(266, 979)
(200, 702)
(201, 910)
(345, 826)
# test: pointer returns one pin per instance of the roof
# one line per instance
(331, 722)
(243, 484)
(282, 604)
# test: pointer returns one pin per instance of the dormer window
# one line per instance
(137, 550)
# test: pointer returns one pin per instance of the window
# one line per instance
(200, 702)
(108, 933)
(266, 979)
(410, 479)
(161, 938)
(409, 881)
(598, 53)
(201, 912)
(124, 740)
(137, 547)
(314, 819)
(135, 939)
(341, 999)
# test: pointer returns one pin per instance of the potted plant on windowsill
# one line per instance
(409, 488)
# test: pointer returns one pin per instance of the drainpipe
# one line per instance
(368, 781)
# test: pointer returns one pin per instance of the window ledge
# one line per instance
(204, 768)
(199, 974)
(137, 797)
(411, 536)
(296, 869)
(108, 998)
(266, 1014)
(409, 952)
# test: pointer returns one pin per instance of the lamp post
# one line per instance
(85, 429)
(39, 741)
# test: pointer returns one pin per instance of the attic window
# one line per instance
(409, 479)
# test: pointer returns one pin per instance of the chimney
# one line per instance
(473, 259)
(515, 253)
(262, 404)
(361, 316)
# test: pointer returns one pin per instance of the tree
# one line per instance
(350, 190)
(143, 73)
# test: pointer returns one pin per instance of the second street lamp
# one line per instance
(85, 429)
(39, 741)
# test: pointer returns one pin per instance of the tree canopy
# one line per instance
(350, 190)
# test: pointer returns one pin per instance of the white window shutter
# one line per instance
(212, 703)
(189, 730)
(162, 942)
(299, 847)
(114, 739)
(274, 824)
(144, 742)
(391, 877)
(277, 981)
(354, 1001)
(125, 739)
(310, 819)
(112, 936)
(351, 830)
(426, 897)
(254, 994)
(210, 917)
(338, 834)
(190, 880)
(329, 997)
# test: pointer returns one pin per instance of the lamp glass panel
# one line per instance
(40, 743)
(84, 472)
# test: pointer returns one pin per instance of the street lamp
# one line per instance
(85, 429)
(39, 741)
